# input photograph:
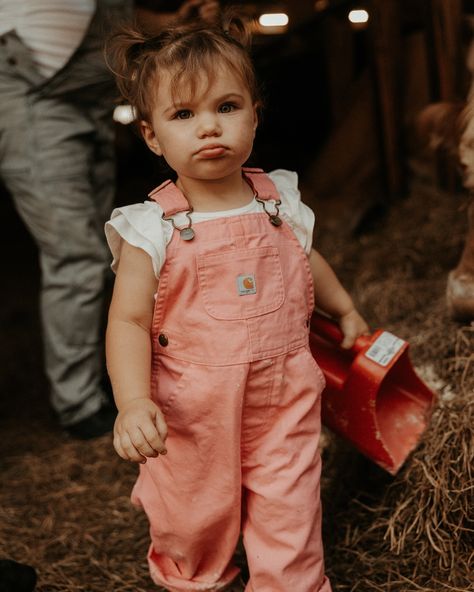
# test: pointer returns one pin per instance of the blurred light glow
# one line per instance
(358, 16)
(276, 19)
(321, 5)
(124, 114)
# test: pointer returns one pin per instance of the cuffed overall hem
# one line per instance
(173, 583)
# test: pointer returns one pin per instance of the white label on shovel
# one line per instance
(384, 348)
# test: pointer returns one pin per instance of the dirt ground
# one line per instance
(64, 505)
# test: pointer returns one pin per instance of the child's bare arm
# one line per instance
(333, 299)
(140, 430)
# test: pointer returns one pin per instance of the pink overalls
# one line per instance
(240, 391)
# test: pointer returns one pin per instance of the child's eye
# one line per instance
(182, 114)
(227, 107)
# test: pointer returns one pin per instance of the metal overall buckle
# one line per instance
(273, 217)
(185, 232)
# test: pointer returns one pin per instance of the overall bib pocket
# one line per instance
(240, 284)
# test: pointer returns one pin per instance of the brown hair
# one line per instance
(185, 48)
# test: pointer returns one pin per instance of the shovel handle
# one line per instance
(330, 330)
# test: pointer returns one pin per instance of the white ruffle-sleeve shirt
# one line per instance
(142, 225)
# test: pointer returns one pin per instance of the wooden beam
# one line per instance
(447, 29)
(386, 34)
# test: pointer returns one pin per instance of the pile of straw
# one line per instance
(420, 535)
(413, 532)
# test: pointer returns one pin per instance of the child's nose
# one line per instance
(209, 126)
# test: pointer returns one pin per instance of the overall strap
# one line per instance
(172, 201)
(170, 198)
(261, 183)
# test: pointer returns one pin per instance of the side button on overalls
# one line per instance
(240, 391)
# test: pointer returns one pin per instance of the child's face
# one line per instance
(208, 135)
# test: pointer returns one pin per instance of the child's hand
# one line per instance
(140, 431)
(352, 325)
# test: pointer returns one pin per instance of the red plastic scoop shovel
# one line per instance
(373, 397)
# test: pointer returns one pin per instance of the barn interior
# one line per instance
(346, 85)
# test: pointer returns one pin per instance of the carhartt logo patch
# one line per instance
(246, 284)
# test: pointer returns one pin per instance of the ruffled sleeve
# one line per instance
(298, 215)
(142, 226)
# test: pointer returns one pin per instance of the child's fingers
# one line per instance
(141, 444)
(352, 325)
(131, 453)
(161, 426)
(155, 441)
(118, 447)
(140, 432)
(348, 341)
(350, 336)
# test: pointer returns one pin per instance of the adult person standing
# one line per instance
(57, 161)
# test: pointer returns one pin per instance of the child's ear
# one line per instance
(150, 138)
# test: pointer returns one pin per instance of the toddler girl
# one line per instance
(213, 297)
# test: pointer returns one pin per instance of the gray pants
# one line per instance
(57, 161)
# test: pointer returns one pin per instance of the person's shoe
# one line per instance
(16, 577)
(97, 424)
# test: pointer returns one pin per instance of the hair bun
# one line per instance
(235, 27)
